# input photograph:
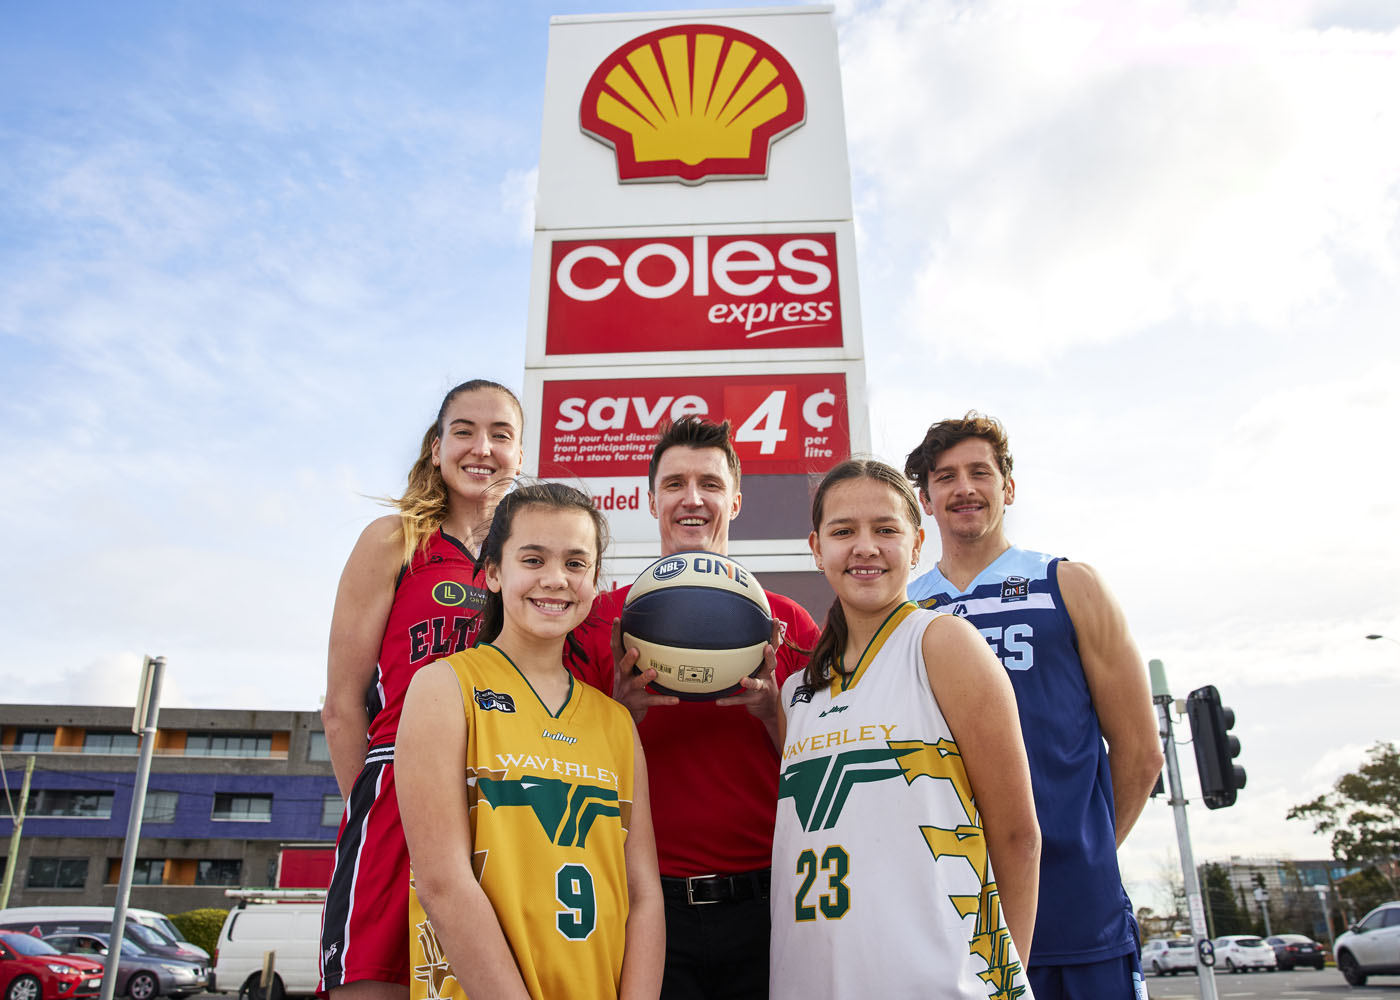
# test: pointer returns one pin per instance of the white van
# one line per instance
(154, 931)
(290, 929)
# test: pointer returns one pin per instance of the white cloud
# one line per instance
(518, 198)
(112, 679)
(1082, 173)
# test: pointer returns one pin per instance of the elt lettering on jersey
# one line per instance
(435, 637)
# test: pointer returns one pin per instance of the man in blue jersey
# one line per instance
(1083, 697)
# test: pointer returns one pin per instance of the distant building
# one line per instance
(1293, 902)
(228, 789)
(1283, 874)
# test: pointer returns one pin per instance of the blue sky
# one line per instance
(244, 247)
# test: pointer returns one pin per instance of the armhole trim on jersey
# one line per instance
(1052, 577)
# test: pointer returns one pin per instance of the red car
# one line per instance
(31, 969)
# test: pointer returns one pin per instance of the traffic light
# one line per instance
(1216, 749)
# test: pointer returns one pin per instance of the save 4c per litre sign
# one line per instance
(606, 427)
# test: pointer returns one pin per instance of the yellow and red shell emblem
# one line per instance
(691, 103)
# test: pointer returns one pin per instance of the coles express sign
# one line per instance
(781, 423)
(693, 293)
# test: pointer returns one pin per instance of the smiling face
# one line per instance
(967, 494)
(866, 545)
(694, 499)
(548, 573)
(478, 449)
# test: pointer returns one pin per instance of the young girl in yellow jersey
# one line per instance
(524, 793)
(906, 852)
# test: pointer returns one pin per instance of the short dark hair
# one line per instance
(694, 431)
(946, 433)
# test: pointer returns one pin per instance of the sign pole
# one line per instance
(1205, 951)
(144, 723)
(14, 835)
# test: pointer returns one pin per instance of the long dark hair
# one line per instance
(826, 657)
(552, 496)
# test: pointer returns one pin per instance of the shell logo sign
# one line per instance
(692, 103)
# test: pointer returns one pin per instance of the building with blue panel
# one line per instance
(227, 791)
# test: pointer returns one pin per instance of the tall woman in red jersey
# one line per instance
(411, 593)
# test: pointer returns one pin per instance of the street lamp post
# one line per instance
(1377, 635)
(1321, 891)
(1261, 896)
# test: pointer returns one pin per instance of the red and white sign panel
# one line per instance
(693, 293)
(782, 423)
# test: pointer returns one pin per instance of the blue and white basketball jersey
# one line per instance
(882, 885)
(1084, 914)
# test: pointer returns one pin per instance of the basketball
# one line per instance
(700, 620)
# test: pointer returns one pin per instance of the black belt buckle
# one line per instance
(690, 889)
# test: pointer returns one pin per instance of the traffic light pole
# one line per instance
(1205, 951)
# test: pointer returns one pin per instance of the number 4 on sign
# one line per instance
(765, 424)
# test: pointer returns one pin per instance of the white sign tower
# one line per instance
(694, 253)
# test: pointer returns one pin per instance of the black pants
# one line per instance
(717, 951)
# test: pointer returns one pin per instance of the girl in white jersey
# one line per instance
(904, 781)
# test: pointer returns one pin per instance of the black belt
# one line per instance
(700, 889)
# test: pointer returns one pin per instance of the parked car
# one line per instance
(1293, 950)
(292, 930)
(1242, 953)
(33, 970)
(1372, 946)
(1161, 956)
(140, 974)
(41, 921)
(52, 919)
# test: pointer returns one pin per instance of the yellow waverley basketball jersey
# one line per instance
(550, 800)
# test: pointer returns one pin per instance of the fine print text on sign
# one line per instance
(693, 293)
(792, 423)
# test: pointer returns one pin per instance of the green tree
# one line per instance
(1222, 910)
(1362, 814)
(1364, 891)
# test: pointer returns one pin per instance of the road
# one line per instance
(1301, 984)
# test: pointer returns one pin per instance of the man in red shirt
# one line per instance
(713, 765)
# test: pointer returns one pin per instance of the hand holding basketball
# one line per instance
(630, 687)
(761, 694)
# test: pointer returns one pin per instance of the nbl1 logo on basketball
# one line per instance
(707, 292)
(703, 564)
(668, 569)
